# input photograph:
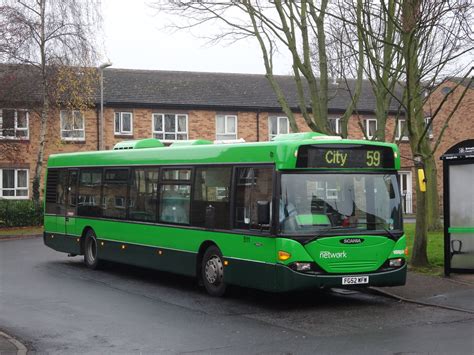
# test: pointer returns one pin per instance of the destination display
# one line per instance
(345, 156)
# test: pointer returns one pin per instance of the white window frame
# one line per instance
(163, 131)
(399, 136)
(338, 124)
(407, 194)
(16, 187)
(15, 126)
(430, 130)
(226, 132)
(121, 132)
(270, 135)
(367, 124)
(83, 129)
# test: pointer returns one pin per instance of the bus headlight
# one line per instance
(395, 262)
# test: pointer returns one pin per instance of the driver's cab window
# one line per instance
(253, 191)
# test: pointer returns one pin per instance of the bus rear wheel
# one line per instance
(212, 271)
(91, 255)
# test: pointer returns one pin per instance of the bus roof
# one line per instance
(282, 151)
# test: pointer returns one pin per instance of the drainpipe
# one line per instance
(97, 115)
(258, 125)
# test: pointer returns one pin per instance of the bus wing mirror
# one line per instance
(263, 212)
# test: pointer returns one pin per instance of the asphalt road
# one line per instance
(55, 305)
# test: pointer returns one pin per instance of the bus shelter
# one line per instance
(458, 171)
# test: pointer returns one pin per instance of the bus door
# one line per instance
(71, 202)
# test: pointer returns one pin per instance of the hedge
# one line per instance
(20, 213)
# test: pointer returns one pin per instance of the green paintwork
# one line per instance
(313, 219)
(279, 152)
(334, 257)
(253, 257)
(246, 246)
(461, 230)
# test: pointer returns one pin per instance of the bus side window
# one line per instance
(252, 185)
(175, 195)
(143, 194)
(56, 191)
(211, 202)
(88, 199)
(115, 193)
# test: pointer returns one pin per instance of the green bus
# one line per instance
(302, 211)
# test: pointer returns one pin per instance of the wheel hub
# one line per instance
(214, 270)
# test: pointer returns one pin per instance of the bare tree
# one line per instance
(418, 42)
(297, 27)
(51, 36)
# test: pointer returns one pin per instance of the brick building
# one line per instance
(171, 105)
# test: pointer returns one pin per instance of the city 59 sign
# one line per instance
(344, 156)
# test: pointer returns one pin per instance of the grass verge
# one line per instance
(434, 249)
(22, 231)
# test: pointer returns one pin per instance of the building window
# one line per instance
(429, 133)
(170, 127)
(335, 124)
(277, 125)
(370, 127)
(123, 123)
(14, 123)
(14, 183)
(72, 125)
(226, 127)
(402, 130)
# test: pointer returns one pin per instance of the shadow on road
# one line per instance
(170, 287)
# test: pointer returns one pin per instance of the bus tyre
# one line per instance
(212, 271)
(91, 258)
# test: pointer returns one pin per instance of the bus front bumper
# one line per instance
(290, 280)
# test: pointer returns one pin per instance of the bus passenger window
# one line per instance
(143, 195)
(211, 206)
(174, 203)
(175, 195)
(88, 199)
(252, 185)
(56, 191)
(115, 193)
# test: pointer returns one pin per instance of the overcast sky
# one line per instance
(135, 38)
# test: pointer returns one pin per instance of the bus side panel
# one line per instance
(251, 259)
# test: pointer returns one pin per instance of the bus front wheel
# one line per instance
(91, 257)
(212, 269)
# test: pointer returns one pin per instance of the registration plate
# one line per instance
(355, 280)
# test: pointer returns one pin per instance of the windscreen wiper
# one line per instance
(388, 231)
(323, 230)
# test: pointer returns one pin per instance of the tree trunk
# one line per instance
(40, 154)
(419, 255)
(432, 196)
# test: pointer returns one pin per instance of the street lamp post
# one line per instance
(101, 126)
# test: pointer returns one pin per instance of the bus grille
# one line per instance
(356, 265)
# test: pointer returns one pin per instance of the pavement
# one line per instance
(10, 345)
(455, 293)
